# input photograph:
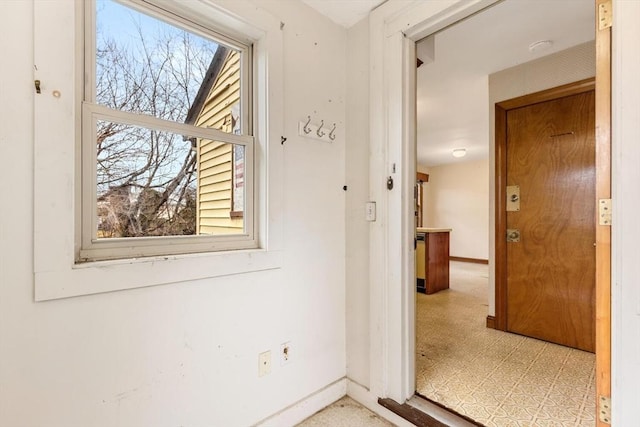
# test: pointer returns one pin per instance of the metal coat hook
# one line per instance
(306, 128)
(332, 134)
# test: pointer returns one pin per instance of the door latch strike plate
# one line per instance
(604, 212)
(513, 198)
(604, 409)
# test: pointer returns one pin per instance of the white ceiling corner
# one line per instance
(344, 12)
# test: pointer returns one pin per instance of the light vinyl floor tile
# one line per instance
(496, 378)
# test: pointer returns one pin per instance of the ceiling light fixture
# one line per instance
(459, 152)
(540, 45)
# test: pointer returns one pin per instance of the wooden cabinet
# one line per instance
(432, 260)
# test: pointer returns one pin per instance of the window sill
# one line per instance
(106, 276)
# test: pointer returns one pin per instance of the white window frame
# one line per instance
(58, 195)
(92, 248)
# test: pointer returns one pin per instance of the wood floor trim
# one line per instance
(411, 414)
(471, 260)
(491, 322)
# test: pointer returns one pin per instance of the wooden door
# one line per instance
(550, 155)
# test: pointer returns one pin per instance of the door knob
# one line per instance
(514, 198)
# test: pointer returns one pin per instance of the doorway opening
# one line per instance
(511, 49)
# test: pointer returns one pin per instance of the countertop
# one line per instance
(432, 230)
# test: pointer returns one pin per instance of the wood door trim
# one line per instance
(421, 178)
(414, 415)
(603, 232)
(501, 109)
(569, 89)
(469, 260)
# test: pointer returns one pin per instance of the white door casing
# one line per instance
(394, 28)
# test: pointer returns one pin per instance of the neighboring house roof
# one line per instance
(209, 79)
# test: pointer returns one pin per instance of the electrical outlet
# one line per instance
(285, 353)
(264, 363)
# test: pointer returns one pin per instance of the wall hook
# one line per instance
(319, 132)
(37, 84)
(332, 134)
(306, 128)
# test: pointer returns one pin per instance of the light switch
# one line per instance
(370, 211)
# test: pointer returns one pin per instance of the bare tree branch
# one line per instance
(146, 178)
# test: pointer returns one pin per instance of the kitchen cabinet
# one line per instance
(432, 259)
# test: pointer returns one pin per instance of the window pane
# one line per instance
(156, 183)
(145, 65)
(221, 190)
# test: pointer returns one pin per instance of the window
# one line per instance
(167, 143)
(66, 103)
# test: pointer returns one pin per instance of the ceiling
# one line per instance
(344, 12)
(452, 89)
(453, 93)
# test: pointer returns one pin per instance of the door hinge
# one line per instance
(605, 15)
(604, 212)
(604, 409)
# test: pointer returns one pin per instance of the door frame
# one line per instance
(501, 109)
(394, 27)
(603, 231)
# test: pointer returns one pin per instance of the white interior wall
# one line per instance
(560, 68)
(186, 353)
(457, 197)
(357, 173)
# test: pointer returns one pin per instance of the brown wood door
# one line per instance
(550, 155)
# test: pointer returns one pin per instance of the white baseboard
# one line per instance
(308, 406)
(367, 399)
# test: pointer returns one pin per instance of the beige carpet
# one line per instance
(496, 378)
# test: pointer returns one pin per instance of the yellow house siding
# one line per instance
(218, 161)
(224, 99)
(223, 95)
(215, 158)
